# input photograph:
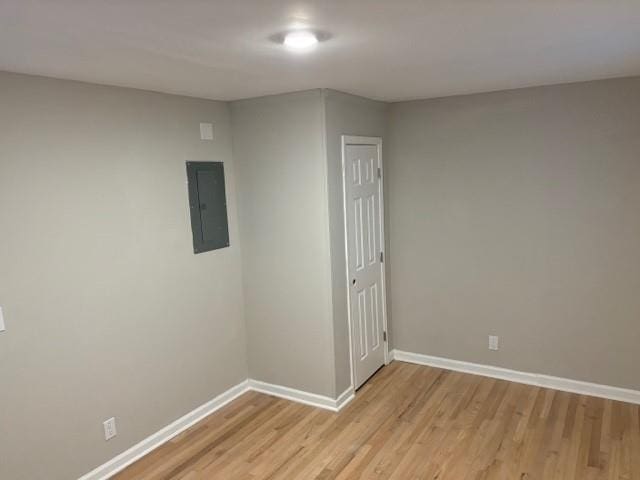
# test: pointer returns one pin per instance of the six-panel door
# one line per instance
(365, 246)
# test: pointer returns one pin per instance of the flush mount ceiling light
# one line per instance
(300, 40)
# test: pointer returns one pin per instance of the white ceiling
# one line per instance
(384, 49)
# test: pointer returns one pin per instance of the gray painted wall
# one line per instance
(517, 214)
(279, 154)
(108, 311)
(287, 152)
(344, 115)
(511, 213)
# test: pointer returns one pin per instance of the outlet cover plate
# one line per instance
(109, 428)
(206, 131)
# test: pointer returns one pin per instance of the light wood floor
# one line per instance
(410, 422)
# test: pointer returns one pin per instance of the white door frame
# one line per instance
(377, 141)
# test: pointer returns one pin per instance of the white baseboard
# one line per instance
(126, 458)
(300, 396)
(344, 398)
(113, 466)
(538, 380)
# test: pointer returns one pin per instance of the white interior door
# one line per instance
(362, 173)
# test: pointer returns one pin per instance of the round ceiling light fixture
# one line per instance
(300, 40)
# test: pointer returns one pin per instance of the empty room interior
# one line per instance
(319, 239)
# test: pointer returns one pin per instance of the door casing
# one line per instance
(374, 141)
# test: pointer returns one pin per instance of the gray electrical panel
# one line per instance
(208, 205)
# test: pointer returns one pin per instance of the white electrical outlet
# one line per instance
(2, 329)
(494, 342)
(206, 131)
(109, 428)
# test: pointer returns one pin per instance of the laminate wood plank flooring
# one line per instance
(409, 422)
